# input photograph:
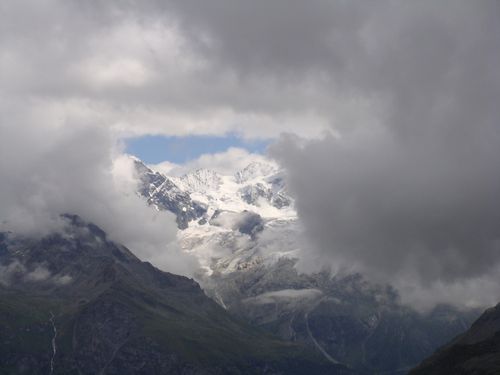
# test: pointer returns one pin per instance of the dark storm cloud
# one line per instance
(277, 35)
(417, 194)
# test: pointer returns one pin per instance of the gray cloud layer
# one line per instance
(406, 185)
(414, 196)
(176, 67)
(47, 169)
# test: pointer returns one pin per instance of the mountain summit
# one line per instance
(248, 239)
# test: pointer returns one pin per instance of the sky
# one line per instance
(154, 149)
(384, 114)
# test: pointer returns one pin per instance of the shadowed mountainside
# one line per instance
(477, 351)
(75, 302)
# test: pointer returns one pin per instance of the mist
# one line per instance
(48, 170)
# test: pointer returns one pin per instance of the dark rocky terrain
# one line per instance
(354, 322)
(75, 302)
(475, 352)
(162, 193)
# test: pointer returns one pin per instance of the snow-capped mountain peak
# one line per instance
(248, 210)
(201, 181)
(197, 195)
(256, 170)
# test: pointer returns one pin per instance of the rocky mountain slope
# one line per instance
(74, 302)
(477, 351)
(248, 240)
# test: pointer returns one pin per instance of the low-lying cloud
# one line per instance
(15, 271)
(48, 169)
(225, 163)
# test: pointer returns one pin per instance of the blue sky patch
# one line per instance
(155, 149)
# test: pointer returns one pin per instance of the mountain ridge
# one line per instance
(252, 274)
(118, 315)
(476, 351)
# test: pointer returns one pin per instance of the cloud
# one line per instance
(40, 273)
(404, 185)
(49, 168)
(15, 271)
(285, 296)
(10, 270)
(226, 163)
(411, 198)
(137, 69)
(150, 234)
(166, 167)
(258, 69)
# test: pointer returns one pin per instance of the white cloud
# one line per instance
(165, 167)
(52, 170)
(226, 162)
(102, 74)
(40, 273)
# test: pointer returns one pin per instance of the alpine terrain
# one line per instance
(477, 351)
(246, 235)
(74, 302)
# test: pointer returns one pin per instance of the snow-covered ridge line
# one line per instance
(259, 188)
(231, 221)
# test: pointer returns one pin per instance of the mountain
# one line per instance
(162, 193)
(75, 302)
(248, 241)
(477, 351)
(346, 318)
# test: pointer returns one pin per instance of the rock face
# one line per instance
(354, 322)
(162, 193)
(477, 351)
(248, 243)
(197, 195)
(75, 302)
